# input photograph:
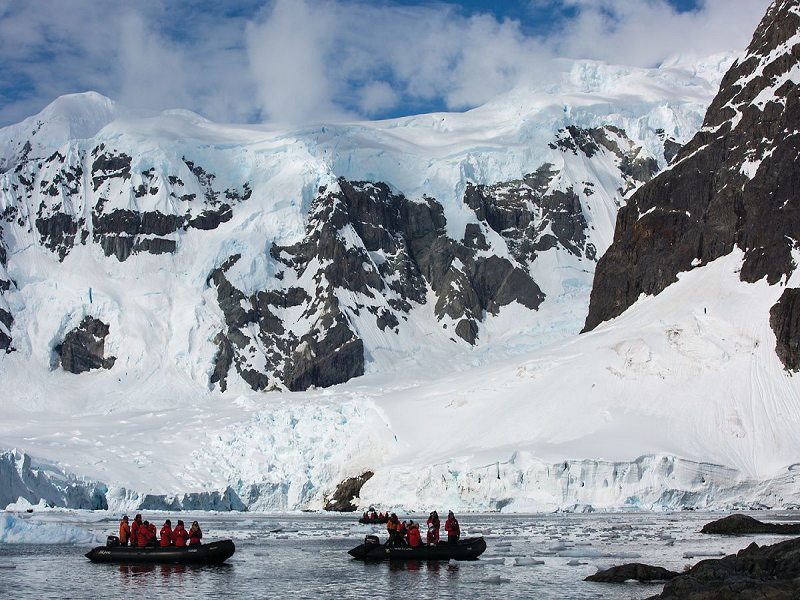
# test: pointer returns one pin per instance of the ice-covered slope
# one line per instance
(437, 254)
(203, 244)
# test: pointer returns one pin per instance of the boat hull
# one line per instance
(364, 521)
(467, 549)
(206, 554)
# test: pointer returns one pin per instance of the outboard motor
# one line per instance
(372, 540)
(112, 541)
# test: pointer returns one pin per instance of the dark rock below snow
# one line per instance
(632, 571)
(83, 348)
(746, 525)
(755, 573)
(784, 318)
(347, 491)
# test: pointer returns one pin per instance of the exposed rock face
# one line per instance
(784, 318)
(635, 571)
(347, 491)
(733, 185)
(746, 525)
(83, 348)
(753, 573)
(371, 254)
(368, 258)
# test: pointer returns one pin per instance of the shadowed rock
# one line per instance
(746, 525)
(83, 348)
(346, 492)
(632, 571)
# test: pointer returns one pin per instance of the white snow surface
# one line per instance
(680, 401)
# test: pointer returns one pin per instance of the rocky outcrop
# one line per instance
(732, 186)
(753, 573)
(83, 348)
(746, 525)
(632, 572)
(346, 492)
(784, 318)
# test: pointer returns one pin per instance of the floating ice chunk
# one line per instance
(702, 553)
(453, 562)
(526, 561)
(14, 530)
(493, 561)
(559, 547)
(496, 579)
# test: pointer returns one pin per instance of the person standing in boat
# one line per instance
(393, 528)
(124, 531)
(433, 529)
(452, 528)
(195, 535)
(179, 535)
(166, 533)
(414, 537)
(137, 523)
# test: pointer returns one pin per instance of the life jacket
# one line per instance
(414, 538)
(180, 536)
(142, 536)
(124, 533)
(451, 527)
(166, 535)
(195, 536)
(135, 532)
(392, 525)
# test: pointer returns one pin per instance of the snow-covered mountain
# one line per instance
(167, 279)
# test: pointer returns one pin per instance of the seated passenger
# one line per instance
(414, 537)
(166, 533)
(142, 534)
(152, 538)
(179, 535)
(195, 535)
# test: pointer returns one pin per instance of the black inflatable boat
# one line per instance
(376, 520)
(206, 554)
(466, 549)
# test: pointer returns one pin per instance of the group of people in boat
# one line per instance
(375, 516)
(402, 533)
(143, 533)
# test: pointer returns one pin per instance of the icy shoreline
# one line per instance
(520, 486)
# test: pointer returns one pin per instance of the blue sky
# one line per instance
(316, 60)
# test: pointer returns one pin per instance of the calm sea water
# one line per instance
(305, 556)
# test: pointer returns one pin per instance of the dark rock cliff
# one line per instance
(734, 185)
(83, 348)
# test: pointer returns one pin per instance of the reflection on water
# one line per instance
(308, 559)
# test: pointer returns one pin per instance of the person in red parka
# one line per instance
(195, 535)
(166, 533)
(414, 537)
(452, 528)
(137, 523)
(152, 538)
(143, 534)
(433, 529)
(179, 535)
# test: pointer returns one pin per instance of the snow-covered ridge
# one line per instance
(190, 249)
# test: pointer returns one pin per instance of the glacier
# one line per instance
(660, 408)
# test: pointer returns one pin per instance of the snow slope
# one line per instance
(664, 406)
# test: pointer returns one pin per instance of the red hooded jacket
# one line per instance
(166, 535)
(179, 536)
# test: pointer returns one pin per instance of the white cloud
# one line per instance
(311, 60)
